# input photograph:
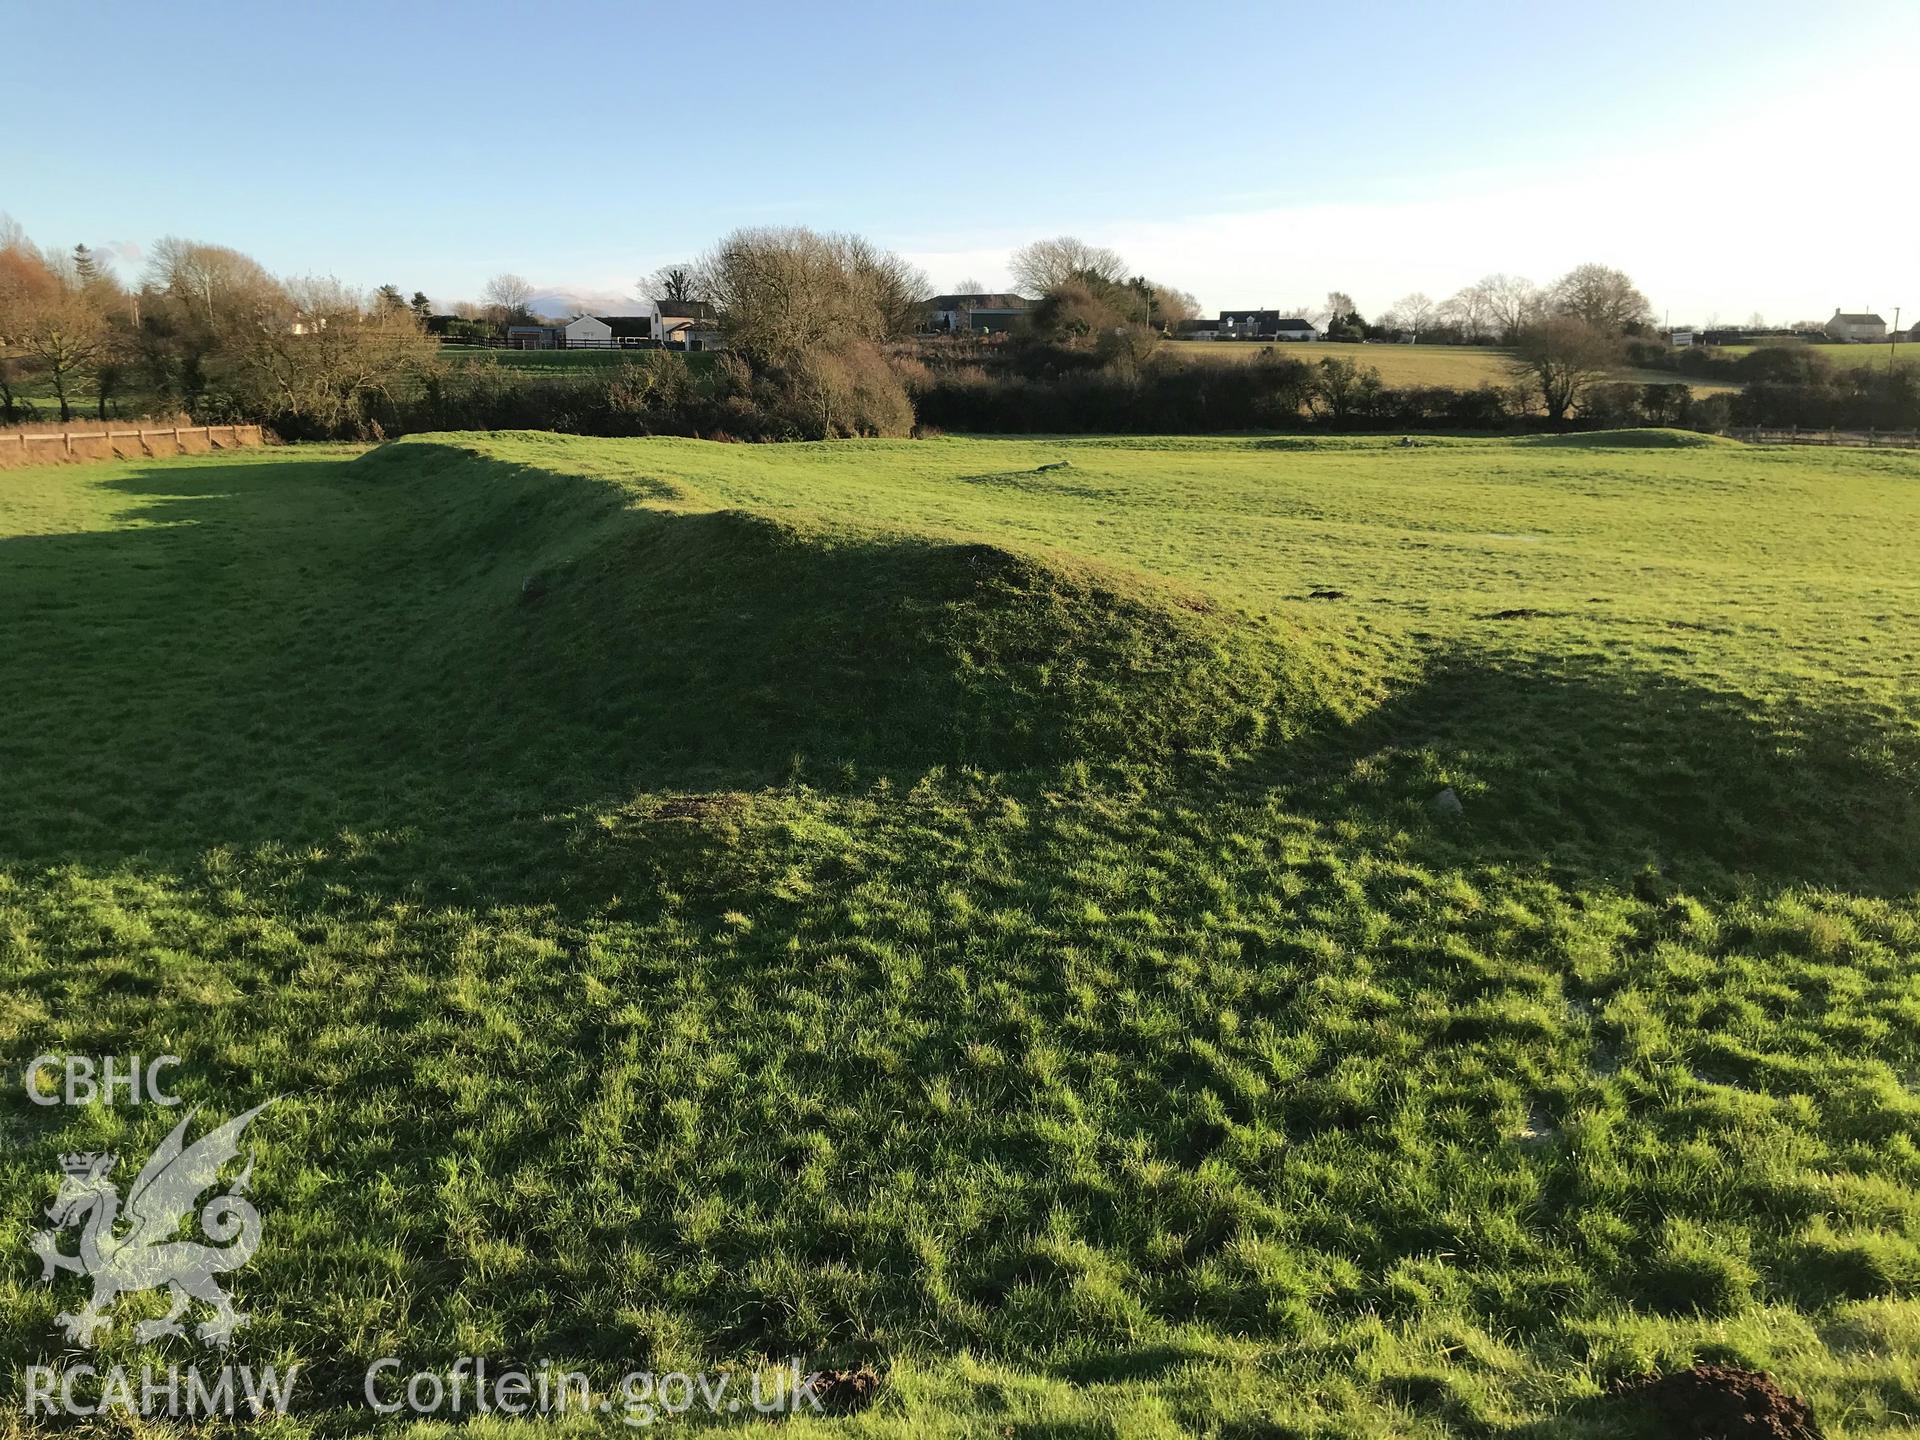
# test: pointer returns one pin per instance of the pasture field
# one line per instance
(1462, 367)
(894, 904)
(1850, 357)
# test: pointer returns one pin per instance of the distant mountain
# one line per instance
(565, 304)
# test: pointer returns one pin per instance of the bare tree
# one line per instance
(675, 282)
(25, 285)
(329, 358)
(969, 286)
(1171, 305)
(894, 286)
(1603, 297)
(210, 281)
(1044, 266)
(1413, 313)
(196, 300)
(59, 314)
(1470, 310)
(66, 333)
(1561, 355)
(806, 311)
(779, 290)
(507, 296)
(1513, 303)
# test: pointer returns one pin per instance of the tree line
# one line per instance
(206, 330)
(823, 340)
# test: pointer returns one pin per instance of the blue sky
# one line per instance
(1734, 156)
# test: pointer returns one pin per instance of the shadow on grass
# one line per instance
(1610, 770)
(449, 646)
(445, 644)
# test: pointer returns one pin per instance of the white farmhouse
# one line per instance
(1856, 327)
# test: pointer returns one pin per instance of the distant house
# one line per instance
(1197, 330)
(1856, 327)
(587, 330)
(591, 332)
(688, 325)
(1680, 339)
(1265, 325)
(535, 337)
(986, 314)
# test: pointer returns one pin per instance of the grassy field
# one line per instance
(1461, 366)
(1851, 357)
(892, 903)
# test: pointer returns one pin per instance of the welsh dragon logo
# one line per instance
(146, 1253)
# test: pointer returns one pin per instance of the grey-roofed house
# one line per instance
(986, 313)
(1265, 325)
(1855, 327)
(689, 324)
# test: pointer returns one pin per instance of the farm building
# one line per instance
(981, 313)
(1856, 327)
(690, 324)
(1265, 325)
(588, 330)
(668, 322)
(608, 331)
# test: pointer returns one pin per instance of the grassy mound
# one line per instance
(449, 795)
(1639, 439)
(726, 639)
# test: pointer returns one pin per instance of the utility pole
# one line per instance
(1893, 341)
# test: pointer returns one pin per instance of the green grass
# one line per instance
(1462, 367)
(890, 903)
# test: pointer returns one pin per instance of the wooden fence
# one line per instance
(25, 447)
(629, 342)
(1865, 439)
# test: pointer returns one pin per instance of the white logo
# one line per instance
(147, 1253)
